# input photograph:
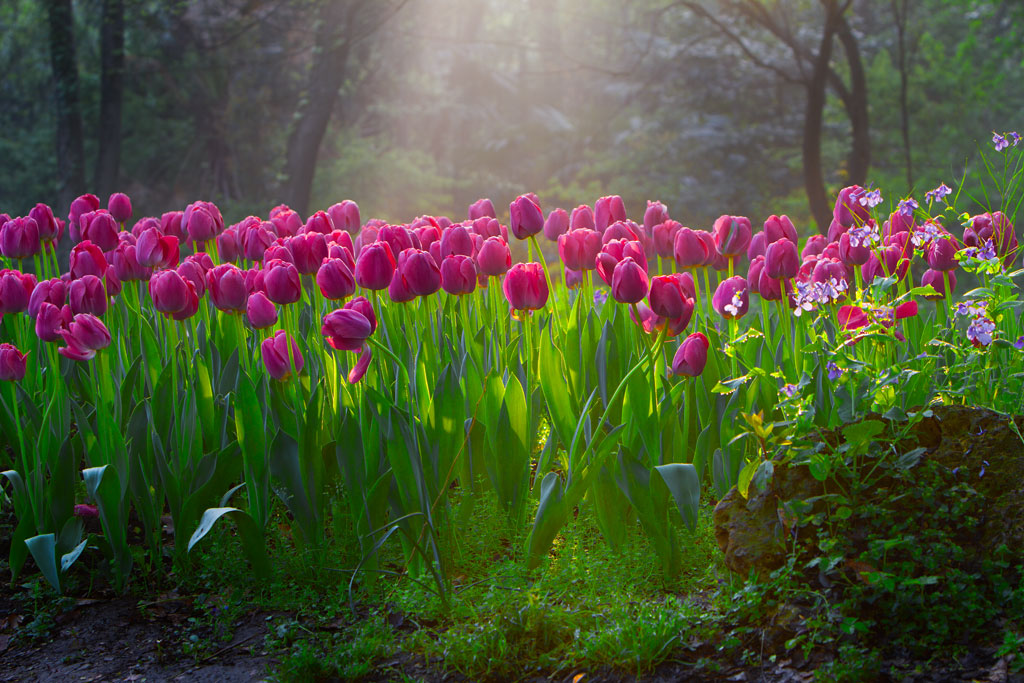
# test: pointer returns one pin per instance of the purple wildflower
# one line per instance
(834, 371)
(1014, 137)
(871, 199)
(1019, 344)
(970, 307)
(600, 296)
(939, 193)
(984, 464)
(866, 235)
(1000, 142)
(979, 332)
(926, 234)
(908, 206)
(789, 390)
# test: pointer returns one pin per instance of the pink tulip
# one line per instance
(280, 353)
(100, 228)
(309, 250)
(169, 291)
(260, 310)
(458, 274)
(582, 217)
(120, 207)
(226, 284)
(578, 249)
(557, 223)
(50, 227)
(420, 270)
(126, 264)
(849, 209)
(282, 282)
(345, 216)
(732, 235)
(731, 299)
(655, 214)
(80, 206)
(227, 245)
(19, 238)
(664, 235)
(935, 280)
(608, 210)
(87, 295)
(155, 250)
(494, 257)
(456, 240)
(525, 287)
(629, 282)
(671, 295)
(85, 335)
(335, 279)
(781, 259)
(346, 329)
(481, 208)
(613, 252)
(51, 320)
(689, 250)
(526, 218)
(779, 227)
(375, 266)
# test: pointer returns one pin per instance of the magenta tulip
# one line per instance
(309, 250)
(613, 252)
(19, 238)
(200, 223)
(608, 210)
(169, 291)
(525, 287)
(578, 249)
(375, 266)
(84, 336)
(525, 217)
(481, 208)
(345, 215)
(100, 228)
(732, 235)
(16, 289)
(346, 329)
(227, 245)
(689, 250)
(494, 258)
(731, 300)
(456, 240)
(81, 205)
(260, 310)
(656, 213)
(50, 227)
(670, 294)
(848, 209)
(51, 320)
(754, 273)
(691, 356)
(781, 260)
(629, 282)
(87, 295)
(814, 246)
(54, 291)
(941, 253)
(557, 223)
(12, 363)
(226, 284)
(582, 217)
(934, 278)
(282, 282)
(458, 274)
(280, 354)
(664, 236)
(779, 227)
(155, 250)
(120, 207)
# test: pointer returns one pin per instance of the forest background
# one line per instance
(417, 107)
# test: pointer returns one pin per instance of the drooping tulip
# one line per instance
(84, 336)
(346, 329)
(691, 356)
(525, 287)
(50, 320)
(731, 299)
(12, 363)
(525, 217)
(280, 354)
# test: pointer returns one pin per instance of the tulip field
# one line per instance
(181, 367)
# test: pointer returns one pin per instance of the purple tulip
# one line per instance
(120, 207)
(664, 235)
(671, 295)
(849, 209)
(19, 238)
(732, 235)
(282, 282)
(613, 252)
(335, 279)
(100, 228)
(494, 257)
(84, 336)
(260, 310)
(629, 281)
(226, 284)
(456, 240)
(420, 270)
(779, 227)
(375, 266)
(458, 274)
(578, 249)
(51, 320)
(525, 217)
(169, 291)
(732, 299)
(50, 227)
(781, 260)
(12, 363)
(345, 216)
(691, 356)
(582, 217)
(87, 295)
(280, 353)
(941, 253)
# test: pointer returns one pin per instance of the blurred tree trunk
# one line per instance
(855, 101)
(108, 159)
(817, 87)
(900, 12)
(70, 150)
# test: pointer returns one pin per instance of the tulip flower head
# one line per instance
(12, 363)
(280, 355)
(629, 282)
(578, 249)
(732, 235)
(260, 310)
(120, 207)
(345, 215)
(608, 210)
(458, 274)
(731, 299)
(494, 257)
(525, 287)
(557, 224)
(691, 356)
(525, 217)
(19, 238)
(85, 335)
(482, 208)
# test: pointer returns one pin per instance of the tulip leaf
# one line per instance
(44, 551)
(556, 394)
(286, 467)
(69, 558)
(128, 387)
(612, 507)
(204, 402)
(252, 538)
(102, 485)
(552, 514)
(684, 485)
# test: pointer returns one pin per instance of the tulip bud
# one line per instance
(12, 363)
(691, 356)
(582, 218)
(280, 353)
(525, 287)
(19, 238)
(375, 266)
(260, 311)
(481, 208)
(494, 258)
(556, 224)
(664, 235)
(345, 216)
(456, 240)
(669, 294)
(50, 228)
(732, 235)
(420, 271)
(578, 249)
(779, 227)
(608, 210)
(200, 223)
(227, 245)
(689, 250)
(87, 295)
(226, 284)
(82, 205)
(941, 253)
(629, 282)
(781, 260)
(319, 222)
(848, 209)
(458, 274)
(934, 278)
(613, 252)
(731, 300)
(100, 228)
(282, 282)
(526, 218)
(169, 291)
(655, 214)
(814, 246)
(286, 222)
(120, 207)
(309, 250)
(335, 279)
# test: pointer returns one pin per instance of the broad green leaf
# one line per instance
(684, 485)
(44, 552)
(252, 538)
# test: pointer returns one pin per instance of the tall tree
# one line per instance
(339, 25)
(70, 149)
(108, 136)
(814, 71)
